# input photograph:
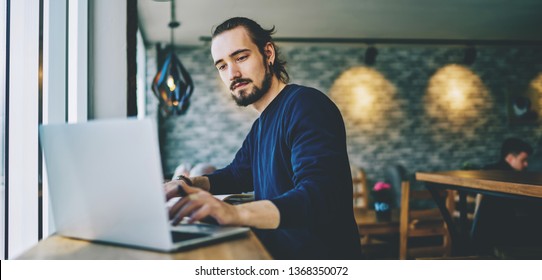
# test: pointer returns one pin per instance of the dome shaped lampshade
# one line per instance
(173, 86)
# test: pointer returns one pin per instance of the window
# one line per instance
(3, 24)
(61, 80)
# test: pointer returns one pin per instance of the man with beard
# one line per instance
(294, 157)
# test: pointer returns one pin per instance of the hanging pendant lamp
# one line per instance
(172, 85)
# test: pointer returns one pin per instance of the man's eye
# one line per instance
(241, 58)
(221, 67)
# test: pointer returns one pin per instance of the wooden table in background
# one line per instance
(56, 247)
(501, 183)
(527, 184)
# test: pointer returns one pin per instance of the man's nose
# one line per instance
(233, 72)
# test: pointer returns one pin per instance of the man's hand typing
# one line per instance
(198, 204)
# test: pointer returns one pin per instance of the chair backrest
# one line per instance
(360, 188)
(472, 202)
(394, 175)
(472, 199)
(422, 223)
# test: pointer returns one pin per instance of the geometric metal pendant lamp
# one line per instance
(172, 85)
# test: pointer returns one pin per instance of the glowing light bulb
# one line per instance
(364, 97)
(457, 94)
(171, 83)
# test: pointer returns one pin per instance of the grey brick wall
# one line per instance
(407, 123)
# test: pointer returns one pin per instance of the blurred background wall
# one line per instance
(419, 106)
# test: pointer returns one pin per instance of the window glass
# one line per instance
(2, 118)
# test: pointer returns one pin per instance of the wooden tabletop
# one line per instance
(56, 247)
(509, 182)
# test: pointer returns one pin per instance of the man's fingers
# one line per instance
(177, 206)
(196, 205)
(189, 208)
(186, 188)
(178, 188)
(170, 189)
(201, 213)
(189, 205)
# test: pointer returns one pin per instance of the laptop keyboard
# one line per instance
(182, 236)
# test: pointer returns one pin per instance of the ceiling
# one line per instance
(351, 19)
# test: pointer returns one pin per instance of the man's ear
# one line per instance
(509, 158)
(269, 51)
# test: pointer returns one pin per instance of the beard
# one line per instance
(246, 98)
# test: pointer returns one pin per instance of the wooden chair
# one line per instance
(422, 223)
(361, 199)
(472, 202)
(361, 191)
(374, 234)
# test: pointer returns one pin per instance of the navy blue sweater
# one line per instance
(295, 156)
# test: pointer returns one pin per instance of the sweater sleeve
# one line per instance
(237, 176)
(322, 179)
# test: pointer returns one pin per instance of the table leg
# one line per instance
(457, 244)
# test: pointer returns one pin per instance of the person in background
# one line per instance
(514, 155)
(294, 158)
(535, 160)
(504, 222)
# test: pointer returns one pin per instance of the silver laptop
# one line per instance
(105, 181)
